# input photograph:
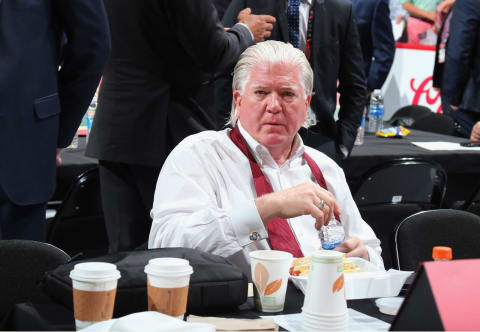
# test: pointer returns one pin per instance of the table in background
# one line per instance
(462, 167)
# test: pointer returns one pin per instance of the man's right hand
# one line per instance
(260, 25)
(300, 200)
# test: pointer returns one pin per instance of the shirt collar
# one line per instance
(308, 2)
(261, 153)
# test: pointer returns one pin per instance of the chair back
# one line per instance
(79, 225)
(416, 236)
(407, 115)
(22, 265)
(436, 123)
(472, 204)
(390, 192)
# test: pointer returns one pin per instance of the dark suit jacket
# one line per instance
(336, 56)
(155, 86)
(40, 106)
(221, 6)
(376, 39)
(462, 67)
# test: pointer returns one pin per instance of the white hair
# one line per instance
(269, 52)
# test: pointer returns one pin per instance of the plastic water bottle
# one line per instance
(375, 122)
(361, 129)
(90, 115)
(331, 235)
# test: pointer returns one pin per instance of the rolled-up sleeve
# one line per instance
(186, 210)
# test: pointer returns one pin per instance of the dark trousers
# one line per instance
(127, 198)
(25, 222)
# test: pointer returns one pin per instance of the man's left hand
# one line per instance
(353, 247)
(454, 107)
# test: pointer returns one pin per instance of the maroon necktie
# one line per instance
(279, 232)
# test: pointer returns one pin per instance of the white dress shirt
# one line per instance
(205, 196)
(304, 12)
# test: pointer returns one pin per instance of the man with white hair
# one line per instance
(257, 186)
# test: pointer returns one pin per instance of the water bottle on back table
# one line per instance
(375, 122)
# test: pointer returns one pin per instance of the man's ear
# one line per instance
(309, 99)
(237, 97)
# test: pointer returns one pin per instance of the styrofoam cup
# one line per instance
(270, 277)
(389, 305)
(328, 318)
(325, 293)
(94, 289)
(168, 280)
(319, 325)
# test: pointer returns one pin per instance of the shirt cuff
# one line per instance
(246, 223)
(246, 26)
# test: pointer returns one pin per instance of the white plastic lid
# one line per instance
(330, 254)
(95, 272)
(389, 305)
(168, 267)
(271, 255)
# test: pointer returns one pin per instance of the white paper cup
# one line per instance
(325, 293)
(167, 285)
(94, 290)
(270, 277)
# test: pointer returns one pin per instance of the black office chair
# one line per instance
(22, 265)
(436, 123)
(472, 204)
(409, 114)
(79, 225)
(418, 234)
(390, 192)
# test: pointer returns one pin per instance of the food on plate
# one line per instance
(301, 266)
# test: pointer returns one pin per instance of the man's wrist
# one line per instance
(266, 207)
(246, 26)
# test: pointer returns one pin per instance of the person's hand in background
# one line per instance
(475, 135)
(260, 25)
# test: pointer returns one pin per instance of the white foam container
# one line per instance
(370, 282)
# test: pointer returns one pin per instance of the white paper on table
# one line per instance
(449, 146)
(356, 322)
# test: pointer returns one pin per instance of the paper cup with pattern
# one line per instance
(270, 277)
(94, 290)
(167, 285)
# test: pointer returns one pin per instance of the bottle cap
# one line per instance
(442, 253)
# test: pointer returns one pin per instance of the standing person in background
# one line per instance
(421, 20)
(461, 77)
(376, 39)
(153, 95)
(442, 24)
(40, 105)
(325, 31)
